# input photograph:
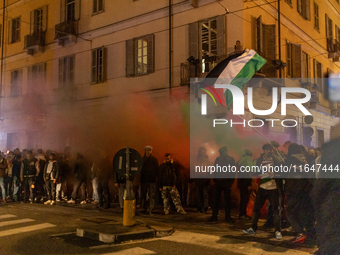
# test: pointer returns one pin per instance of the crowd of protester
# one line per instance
(50, 177)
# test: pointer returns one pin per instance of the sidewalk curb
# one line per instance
(152, 230)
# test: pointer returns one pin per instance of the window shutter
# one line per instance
(130, 58)
(77, 10)
(104, 63)
(94, 66)
(193, 40)
(337, 35)
(62, 11)
(151, 54)
(259, 36)
(95, 6)
(61, 72)
(32, 23)
(326, 22)
(269, 41)
(44, 14)
(315, 70)
(10, 21)
(309, 72)
(220, 20)
(299, 6)
(307, 9)
(296, 61)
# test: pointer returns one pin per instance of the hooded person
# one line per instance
(223, 184)
(244, 184)
(298, 190)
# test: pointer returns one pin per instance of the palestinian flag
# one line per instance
(240, 65)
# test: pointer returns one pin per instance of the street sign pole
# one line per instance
(129, 202)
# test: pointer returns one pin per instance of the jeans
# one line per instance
(2, 186)
(104, 195)
(16, 187)
(9, 185)
(50, 187)
(61, 187)
(202, 197)
(261, 197)
(152, 189)
(82, 185)
(95, 186)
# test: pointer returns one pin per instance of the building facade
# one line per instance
(95, 73)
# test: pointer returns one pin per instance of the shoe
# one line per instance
(4, 200)
(42, 200)
(64, 198)
(57, 199)
(301, 238)
(243, 217)
(212, 219)
(8, 197)
(71, 201)
(83, 202)
(205, 210)
(166, 212)
(144, 212)
(278, 235)
(35, 199)
(229, 220)
(181, 211)
(47, 202)
(94, 202)
(52, 202)
(249, 231)
(199, 210)
(31, 201)
(151, 213)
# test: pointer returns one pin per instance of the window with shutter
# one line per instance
(305, 65)
(98, 65)
(98, 6)
(14, 30)
(259, 36)
(303, 8)
(316, 17)
(296, 53)
(318, 75)
(15, 89)
(66, 72)
(70, 10)
(140, 56)
(36, 77)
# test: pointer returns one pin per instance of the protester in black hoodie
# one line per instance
(298, 190)
(223, 184)
(149, 175)
(80, 175)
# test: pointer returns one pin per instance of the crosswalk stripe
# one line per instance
(6, 216)
(132, 251)
(12, 222)
(25, 229)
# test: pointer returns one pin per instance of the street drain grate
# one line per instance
(73, 239)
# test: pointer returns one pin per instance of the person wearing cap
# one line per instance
(148, 180)
(223, 184)
(244, 184)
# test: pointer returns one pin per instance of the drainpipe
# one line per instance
(170, 48)
(2, 51)
(279, 33)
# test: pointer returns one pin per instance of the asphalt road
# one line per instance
(27, 229)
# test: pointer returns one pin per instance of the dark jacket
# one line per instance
(16, 166)
(3, 167)
(150, 169)
(80, 169)
(54, 175)
(221, 161)
(29, 168)
(297, 184)
(167, 174)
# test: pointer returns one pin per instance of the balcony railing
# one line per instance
(333, 48)
(198, 68)
(35, 40)
(66, 28)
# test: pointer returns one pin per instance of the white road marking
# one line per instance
(6, 216)
(12, 222)
(25, 229)
(132, 251)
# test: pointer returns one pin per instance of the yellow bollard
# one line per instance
(129, 212)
